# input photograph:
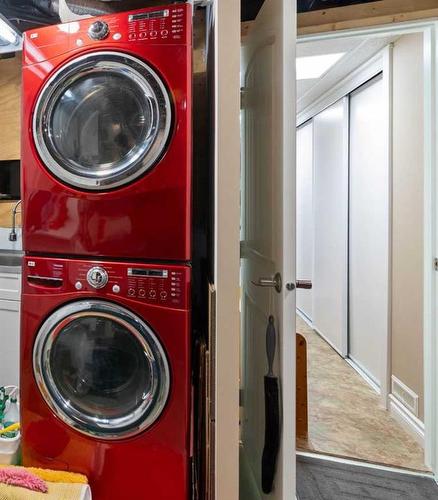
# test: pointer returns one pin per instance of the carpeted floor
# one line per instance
(345, 415)
(325, 480)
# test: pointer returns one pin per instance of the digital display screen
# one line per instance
(152, 273)
(149, 15)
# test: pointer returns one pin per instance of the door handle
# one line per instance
(274, 282)
(304, 284)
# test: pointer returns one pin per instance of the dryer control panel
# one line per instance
(170, 25)
(163, 285)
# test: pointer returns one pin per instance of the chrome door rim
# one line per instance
(118, 428)
(98, 62)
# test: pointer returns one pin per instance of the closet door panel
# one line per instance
(368, 228)
(330, 202)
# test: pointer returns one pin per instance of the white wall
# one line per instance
(330, 202)
(408, 175)
(368, 228)
(305, 215)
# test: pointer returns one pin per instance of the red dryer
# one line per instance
(107, 136)
(105, 377)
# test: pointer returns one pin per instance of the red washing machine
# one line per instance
(105, 374)
(107, 136)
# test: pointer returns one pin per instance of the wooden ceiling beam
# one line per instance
(362, 15)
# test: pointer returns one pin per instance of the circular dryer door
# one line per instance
(102, 120)
(101, 369)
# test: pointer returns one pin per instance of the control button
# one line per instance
(97, 277)
(142, 292)
(78, 285)
(98, 30)
(116, 289)
(131, 292)
(163, 295)
(152, 294)
(132, 36)
(164, 32)
(117, 36)
(143, 34)
(79, 42)
(153, 33)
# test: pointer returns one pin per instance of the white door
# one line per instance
(268, 246)
(368, 229)
(305, 215)
(330, 203)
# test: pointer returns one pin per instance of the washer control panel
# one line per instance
(160, 285)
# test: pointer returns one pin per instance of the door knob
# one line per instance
(274, 282)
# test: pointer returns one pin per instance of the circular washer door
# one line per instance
(102, 120)
(101, 369)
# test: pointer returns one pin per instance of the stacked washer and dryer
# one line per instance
(105, 330)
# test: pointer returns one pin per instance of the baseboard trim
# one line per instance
(407, 419)
(360, 371)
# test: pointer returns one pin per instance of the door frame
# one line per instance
(429, 29)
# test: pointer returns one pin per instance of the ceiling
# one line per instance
(26, 14)
(32, 13)
(357, 51)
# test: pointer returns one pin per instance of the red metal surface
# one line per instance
(152, 465)
(148, 219)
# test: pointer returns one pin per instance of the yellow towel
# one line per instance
(58, 476)
(57, 491)
(54, 476)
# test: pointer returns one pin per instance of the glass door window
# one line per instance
(102, 121)
(101, 369)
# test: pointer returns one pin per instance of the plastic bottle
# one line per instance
(12, 415)
(3, 399)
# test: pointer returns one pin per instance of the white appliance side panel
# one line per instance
(330, 202)
(305, 215)
(10, 338)
(368, 232)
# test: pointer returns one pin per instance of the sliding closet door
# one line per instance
(305, 215)
(330, 202)
(368, 231)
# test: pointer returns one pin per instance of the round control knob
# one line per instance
(97, 277)
(98, 30)
(116, 289)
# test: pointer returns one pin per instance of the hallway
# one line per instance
(345, 418)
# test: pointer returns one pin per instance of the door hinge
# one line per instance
(435, 263)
